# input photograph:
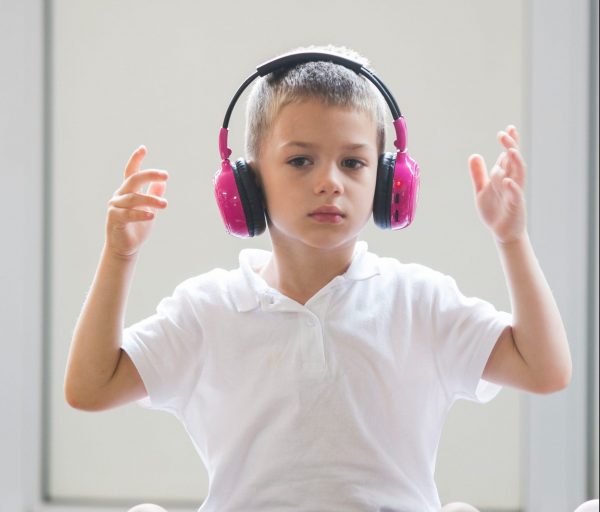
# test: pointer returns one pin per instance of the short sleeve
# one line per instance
(166, 349)
(466, 330)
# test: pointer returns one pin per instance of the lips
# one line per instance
(327, 215)
(327, 210)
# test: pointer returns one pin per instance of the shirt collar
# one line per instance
(247, 287)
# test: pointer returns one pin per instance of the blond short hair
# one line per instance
(330, 83)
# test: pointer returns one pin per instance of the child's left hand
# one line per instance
(500, 197)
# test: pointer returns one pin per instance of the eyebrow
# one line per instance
(309, 145)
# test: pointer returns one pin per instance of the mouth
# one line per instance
(327, 215)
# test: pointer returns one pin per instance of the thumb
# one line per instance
(478, 172)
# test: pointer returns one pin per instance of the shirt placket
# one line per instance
(312, 346)
(311, 316)
(315, 360)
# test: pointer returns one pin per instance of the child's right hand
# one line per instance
(130, 211)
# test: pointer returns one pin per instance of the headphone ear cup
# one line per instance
(251, 197)
(382, 202)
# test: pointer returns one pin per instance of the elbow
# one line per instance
(78, 400)
(72, 397)
(80, 404)
(560, 380)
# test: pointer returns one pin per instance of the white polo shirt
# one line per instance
(332, 406)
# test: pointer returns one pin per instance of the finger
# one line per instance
(512, 192)
(478, 172)
(135, 160)
(157, 188)
(498, 173)
(506, 140)
(502, 161)
(126, 215)
(136, 181)
(134, 200)
(511, 129)
(517, 166)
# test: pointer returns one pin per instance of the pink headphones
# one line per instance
(240, 199)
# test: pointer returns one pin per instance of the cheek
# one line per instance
(278, 195)
(365, 188)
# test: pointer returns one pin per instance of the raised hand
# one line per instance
(500, 196)
(130, 211)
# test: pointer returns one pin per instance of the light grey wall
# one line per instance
(561, 211)
(594, 264)
(593, 434)
(21, 245)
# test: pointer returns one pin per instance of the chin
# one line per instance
(325, 237)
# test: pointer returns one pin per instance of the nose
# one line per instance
(328, 180)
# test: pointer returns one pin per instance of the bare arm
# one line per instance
(534, 353)
(99, 374)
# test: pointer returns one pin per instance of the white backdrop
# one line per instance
(162, 74)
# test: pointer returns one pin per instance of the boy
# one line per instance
(317, 376)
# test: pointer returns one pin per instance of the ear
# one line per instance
(253, 165)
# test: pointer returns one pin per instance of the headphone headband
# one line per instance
(293, 59)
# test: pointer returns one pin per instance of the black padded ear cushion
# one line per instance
(251, 197)
(382, 202)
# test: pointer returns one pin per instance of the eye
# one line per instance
(352, 163)
(299, 161)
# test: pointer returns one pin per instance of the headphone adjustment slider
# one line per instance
(223, 149)
(400, 127)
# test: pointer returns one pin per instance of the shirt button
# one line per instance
(310, 322)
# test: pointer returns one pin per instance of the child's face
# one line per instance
(317, 156)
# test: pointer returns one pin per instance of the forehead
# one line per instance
(312, 123)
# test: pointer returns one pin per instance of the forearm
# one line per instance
(538, 329)
(96, 342)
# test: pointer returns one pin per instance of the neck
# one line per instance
(300, 272)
